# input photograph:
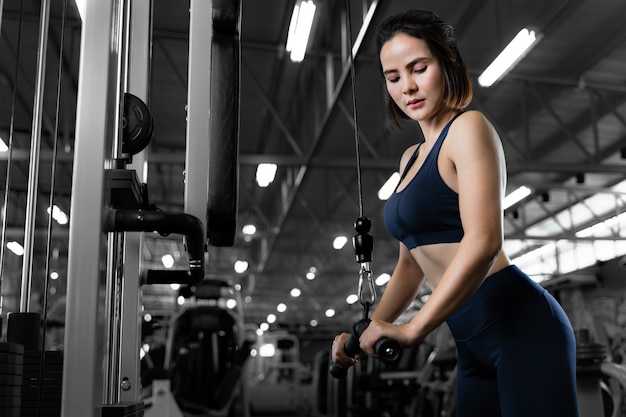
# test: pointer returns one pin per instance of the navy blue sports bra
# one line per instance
(426, 211)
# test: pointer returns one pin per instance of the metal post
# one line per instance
(33, 171)
(82, 372)
(198, 107)
(138, 84)
(116, 240)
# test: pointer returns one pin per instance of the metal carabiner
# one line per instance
(366, 272)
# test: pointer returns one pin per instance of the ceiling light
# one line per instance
(16, 248)
(265, 174)
(58, 215)
(3, 146)
(271, 318)
(352, 298)
(509, 57)
(167, 260)
(339, 242)
(389, 186)
(241, 267)
(268, 350)
(295, 292)
(310, 276)
(313, 323)
(516, 196)
(300, 29)
(382, 279)
(248, 229)
(281, 308)
(330, 312)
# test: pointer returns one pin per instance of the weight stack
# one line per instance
(42, 384)
(128, 409)
(11, 366)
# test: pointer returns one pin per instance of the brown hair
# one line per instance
(441, 40)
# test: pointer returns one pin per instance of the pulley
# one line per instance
(137, 124)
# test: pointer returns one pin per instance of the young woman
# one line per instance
(516, 348)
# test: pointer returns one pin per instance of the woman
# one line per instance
(516, 348)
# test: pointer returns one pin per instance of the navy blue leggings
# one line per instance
(516, 351)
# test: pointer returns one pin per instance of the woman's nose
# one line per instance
(408, 85)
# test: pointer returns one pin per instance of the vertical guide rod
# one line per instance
(33, 171)
(116, 240)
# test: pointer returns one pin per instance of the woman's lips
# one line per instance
(415, 103)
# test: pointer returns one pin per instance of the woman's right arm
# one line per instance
(401, 290)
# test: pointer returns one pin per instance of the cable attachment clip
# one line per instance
(363, 244)
(365, 274)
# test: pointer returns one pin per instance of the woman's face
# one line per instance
(413, 76)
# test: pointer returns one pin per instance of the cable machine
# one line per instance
(109, 203)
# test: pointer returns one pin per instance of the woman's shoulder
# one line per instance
(472, 134)
(473, 124)
(471, 118)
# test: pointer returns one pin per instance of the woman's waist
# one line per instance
(501, 293)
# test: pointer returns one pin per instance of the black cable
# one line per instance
(354, 110)
(7, 186)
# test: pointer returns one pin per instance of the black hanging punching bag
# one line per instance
(223, 173)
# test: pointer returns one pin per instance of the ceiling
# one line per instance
(561, 114)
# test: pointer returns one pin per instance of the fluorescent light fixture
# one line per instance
(340, 242)
(58, 215)
(167, 260)
(265, 174)
(248, 229)
(267, 351)
(516, 196)
(389, 186)
(509, 57)
(241, 266)
(300, 29)
(382, 279)
(16, 248)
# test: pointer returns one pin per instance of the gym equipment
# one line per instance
(9, 170)
(137, 124)
(164, 223)
(389, 351)
(211, 161)
(223, 178)
(25, 326)
(203, 358)
(593, 375)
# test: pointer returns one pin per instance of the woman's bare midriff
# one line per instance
(434, 260)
